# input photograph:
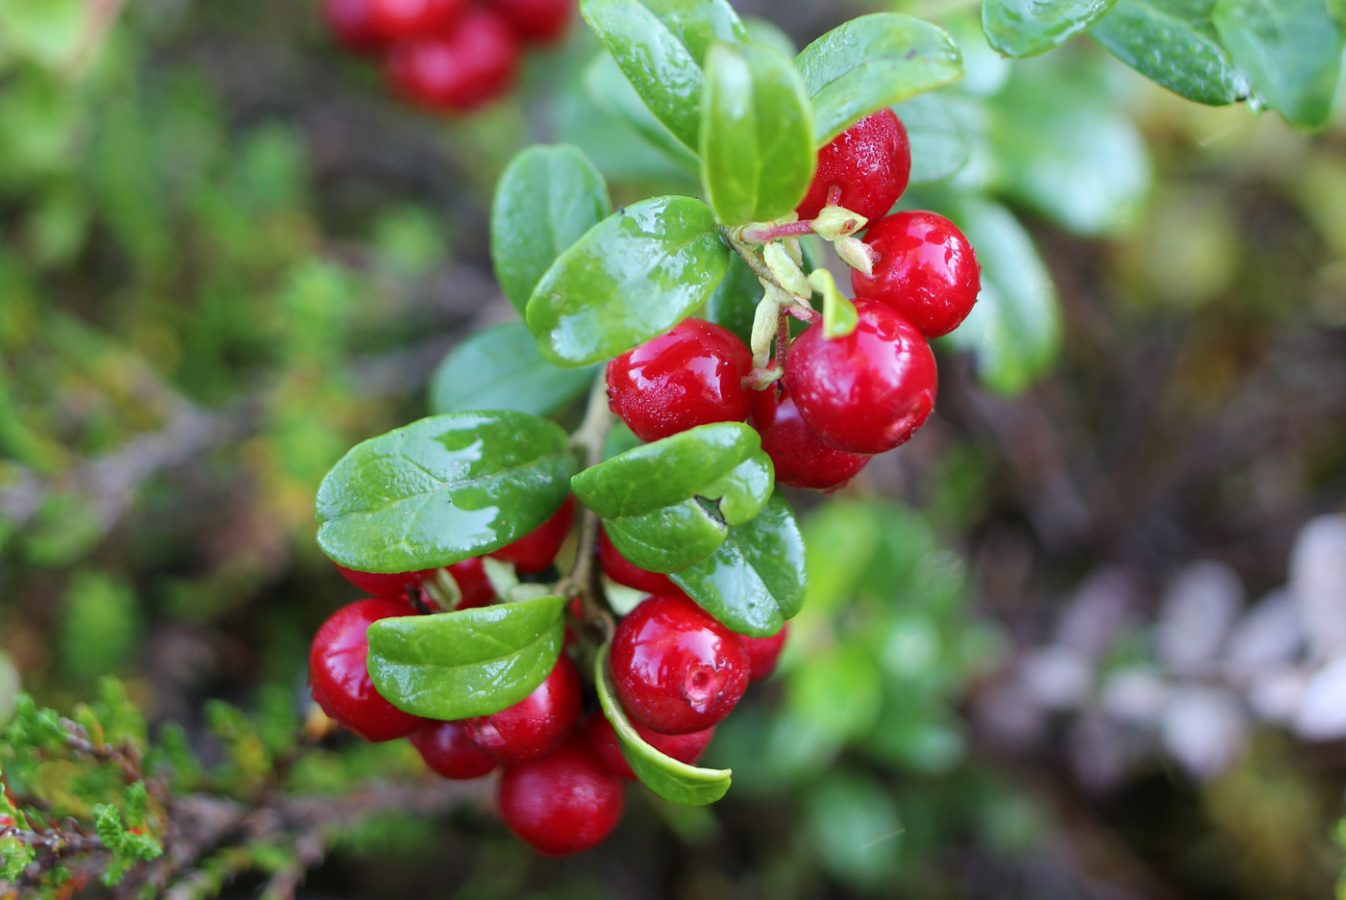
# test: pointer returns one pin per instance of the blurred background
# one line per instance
(1085, 637)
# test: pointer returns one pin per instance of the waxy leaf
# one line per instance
(699, 23)
(734, 302)
(613, 93)
(872, 62)
(473, 662)
(441, 490)
(1173, 43)
(1030, 27)
(757, 155)
(546, 200)
(501, 368)
(755, 580)
(635, 275)
(940, 145)
(674, 781)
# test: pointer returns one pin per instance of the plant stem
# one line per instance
(583, 580)
(776, 232)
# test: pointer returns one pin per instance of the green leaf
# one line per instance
(734, 302)
(872, 62)
(839, 315)
(614, 94)
(45, 31)
(441, 490)
(755, 580)
(1291, 52)
(674, 781)
(473, 662)
(1015, 329)
(546, 200)
(939, 142)
(1173, 43)
(699, 23)
(757, 155)
(659, 66)
(1030, 27)
(635, 275)
(501, 368)
(853, 825)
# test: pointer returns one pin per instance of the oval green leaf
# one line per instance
(635, 275)
(501, 368)
(613, 93)
(674, 781)
(872, 62)
(757, 155)
(473, 662)
(441, 490)
(1030, 27)
(1173, 43)
(940, 145)
(546, 200)
(755, 580)
(734, 301)
(699, 23)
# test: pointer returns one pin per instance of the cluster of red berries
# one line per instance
(676, 670)
(447, 55)
(841, 400)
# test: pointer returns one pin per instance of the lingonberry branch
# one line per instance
(583, 581)
(776, 232)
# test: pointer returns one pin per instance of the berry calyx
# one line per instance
(458, 71)
(448, 750)
(339, 677)
(926, 271)
(536, 21)
(535, 551)
(870, 163)
(801, 458)
(536, 724)
(763, 653)
(691, 376)
(623, 571)
(351, 23)
(399, 20)
(869, 391)
(470, 575)
(676, 669)
(687, 748)
(561, 803)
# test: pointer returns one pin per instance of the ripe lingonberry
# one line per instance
(460, 70)
(866, 392)
(470, 575)
(351, 22)
(675, 668)
(926, 271)
(800, 457)
(339, 677)
(448, 750)
(561, 803)
(537, 723)
(535, 551)
(870, 162)
(399, 20)
(686, 748)
(537, 21)
(691, 376)
(623, 571)
(764, 652)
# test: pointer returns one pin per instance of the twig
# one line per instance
(583, 581)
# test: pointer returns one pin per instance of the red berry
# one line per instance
(691, 376)
(470, 575)
(686, 748)
(623, 571)
(800, 457)
(926, 271)
(538, 21)
(563, 802)
(675, 668)
(448, 750)
(870, 162)
(458, 71)
(763, 652)
(535, 551)
(537, 723)
(473, 585)
(869, 391)
(351, 22)
(340, 680)
(401, 20)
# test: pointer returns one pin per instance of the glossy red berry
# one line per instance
(352, 23)
(686, 748)
(536, 550)
(340, 680)
(800, 457)
(691, 376)
(537, 21)
(561, 803)
(866, 392)
(623, 571)
(400, 20)
(537, 723)
(458, 71)
(870, 162)
(764, 652)
(926, 271)
(448, 750)
(676, 669)
(469, 574)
